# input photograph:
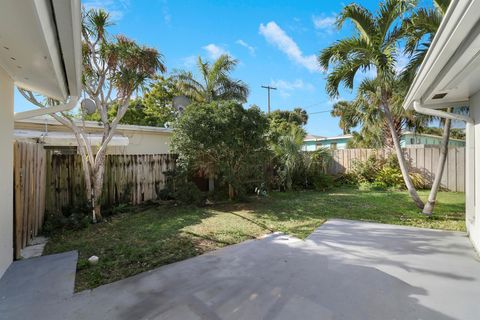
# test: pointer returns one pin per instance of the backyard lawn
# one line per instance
(142, 239)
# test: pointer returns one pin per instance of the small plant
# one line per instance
(372, 186)
(71, 218)
(179, 187)
(390, 176)
(322, 181)
(366, 171)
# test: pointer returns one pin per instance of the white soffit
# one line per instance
(40, 45)
(450, 73)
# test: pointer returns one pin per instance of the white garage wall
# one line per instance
(473, 173)
(6, 171)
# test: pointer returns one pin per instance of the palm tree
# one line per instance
(215, 83)
(373, 46)
(420, 30)
(288, 150)
(364, 111)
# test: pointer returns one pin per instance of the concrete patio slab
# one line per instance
(32, 281)
(344, 270)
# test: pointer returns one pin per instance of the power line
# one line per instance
(324, 111)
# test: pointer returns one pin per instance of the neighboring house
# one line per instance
(407, 140)
(334, 143)
(310, 142)
(129, 139)
(40, 50)
(423, 140)
(450, 76)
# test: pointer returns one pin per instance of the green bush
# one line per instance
(372, 186)
(71, 218)
(322, 181)
(366, 171)
(390, 176)
(179, 187)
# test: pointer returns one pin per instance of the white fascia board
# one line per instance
(47, 23)
(64, 139)
(460, 18)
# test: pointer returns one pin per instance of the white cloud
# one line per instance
(285, 88)
(276, 36)
(189, 61)
(325, 23)
(116, 8)
(402, 61)
(167, 17)
(214, 51)
(246, 45)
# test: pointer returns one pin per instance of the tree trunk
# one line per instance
(98, 185)
(401, 158)
(231, 191)
(428, 209)
(289, 182)
(211, 182)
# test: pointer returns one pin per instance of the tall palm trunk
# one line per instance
(428, 209)
(401, 158)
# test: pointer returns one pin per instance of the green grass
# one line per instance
(130, 243)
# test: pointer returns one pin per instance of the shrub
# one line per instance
(71, 218)
(187, 192)
(322, 181)
(372, 186)
(179, 187)
(419, 182)
(366, 171)
(390, 176)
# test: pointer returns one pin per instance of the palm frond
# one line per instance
(362, 19)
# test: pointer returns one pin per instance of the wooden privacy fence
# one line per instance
(128, 179)
(29, 192)
(422, 160)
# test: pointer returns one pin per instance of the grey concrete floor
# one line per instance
(344, 270)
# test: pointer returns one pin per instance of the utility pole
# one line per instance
(268, 89)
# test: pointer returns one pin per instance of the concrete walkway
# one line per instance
(344, 270)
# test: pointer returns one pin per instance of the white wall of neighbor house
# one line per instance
(472, 195)
(143, 143)
(6, 172)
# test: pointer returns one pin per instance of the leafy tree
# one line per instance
(153, 109)
(374, 45)
(297, 116)
(113, 70)
(222, 139)
(215, 84)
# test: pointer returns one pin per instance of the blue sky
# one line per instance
(276, 43)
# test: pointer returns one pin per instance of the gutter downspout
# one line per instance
(417, 106)
(47, 110)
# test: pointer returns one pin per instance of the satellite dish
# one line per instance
(180, 103)
(88, 106)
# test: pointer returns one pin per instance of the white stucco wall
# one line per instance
(143, 143)
(6, 172)
(473, 173)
